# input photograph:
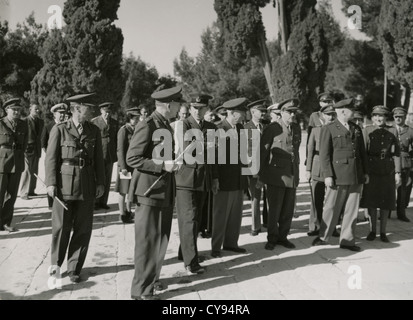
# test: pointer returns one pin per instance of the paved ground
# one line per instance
(380, 271)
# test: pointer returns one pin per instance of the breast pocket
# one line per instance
(5, 138)
(339, 141)
(68, 149)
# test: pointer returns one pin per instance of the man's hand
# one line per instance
(398, 179)
(366, 179)
(215, 186)
(308, 175)
(100, 189)
(124, 172)
(259, 184)
(52, 191)
(329, 182)
(170, 166)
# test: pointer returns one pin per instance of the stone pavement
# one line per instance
(380, 271)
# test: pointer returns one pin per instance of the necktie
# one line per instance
(260, 127)
(13, 125)
(80, 128)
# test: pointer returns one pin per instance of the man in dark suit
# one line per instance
(258, 110)
(227, 211)
(75, 174)
(59, 112)
(32, 153)
(13, 142)
(343, 161)
(151, 155)
(194, 180)
(279, 170)
(109, 131)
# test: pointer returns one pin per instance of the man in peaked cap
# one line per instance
(155, 199)
(75, 174)
(13, 142)
(279, 170)
(275, 112)
(227, 208)
(194, 181)
(258, 110)
(32, 153)
(108, 131)
(344, 168)
(405, 137)
(58, 111)
(316, 119)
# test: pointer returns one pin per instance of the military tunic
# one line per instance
(383, 154)
(13, 142)
(124, 136)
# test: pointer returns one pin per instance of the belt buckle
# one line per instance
(81, 163)
(382, 156)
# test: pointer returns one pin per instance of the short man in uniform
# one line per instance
(193, 181)
(227, 211)
(59, 112)
(405, 136)
(316, 118)
(155, 199)
(33, 153)
(74, 174)
(13, 143)
(258, 110)
(343, 162)
(279, 170)
(109, 133)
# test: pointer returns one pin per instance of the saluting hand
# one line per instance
(52, 191)
(100, 189)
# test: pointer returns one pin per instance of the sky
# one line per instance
(156, 30)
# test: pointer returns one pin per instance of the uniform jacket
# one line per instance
(108, 133)
(195, 176)
(13, 143)
(383, 150)
(342, 153)
(124, 136)
(230, 175)
(46, 134)
(405, 138)
(147, 171)
(280, 157)
(72, 181)
(313, 155)
(315, 121)
(35, 129)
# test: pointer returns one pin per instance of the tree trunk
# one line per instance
(267, 66)
(283, 26)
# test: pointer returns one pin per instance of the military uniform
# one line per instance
(193, 182)
(13, 142)
(153, 215)
(108, 132)
(280, 161)
(74, 164)
(32, 155)
(342, 158)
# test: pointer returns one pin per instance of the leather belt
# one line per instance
(78, 162)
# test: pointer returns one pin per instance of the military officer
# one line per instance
(383, 153)
(405, 136)
(316, 119)
(59, 112)
(314, 173)
(358, 119)
(193, 181)
(108, 131)
(32, 153)
(274, 112)
(13, 143)
(155, 199)
(75, 174)
(227, 208)
(258, 110)
(344, 167)
(279, 170)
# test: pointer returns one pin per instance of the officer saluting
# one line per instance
(75, 174)
(153, 215)
(13, 142)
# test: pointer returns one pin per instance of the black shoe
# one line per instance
(351, 248)
(195, 269)
(269, 246)
(371, 236)
(313, 233)
(74, 278)
(318, 242)
(236, 249)
(384, 238)
(286, 244)
(9, 229)
(336, 234)
(159, 286)
(404, 219)
(148, 297)
(104, 206)
(255, 233)
(126, 218)
(216, 254)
